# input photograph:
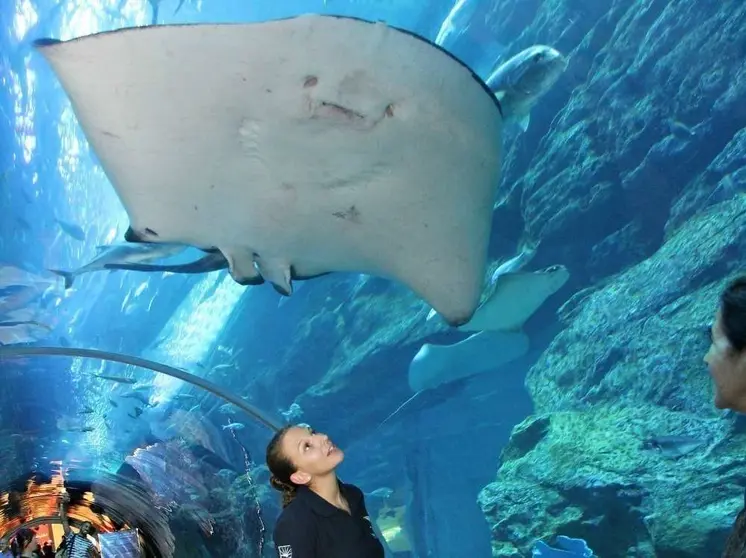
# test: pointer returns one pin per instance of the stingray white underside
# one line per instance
(516, 297)
(298, 146)
(436, 365)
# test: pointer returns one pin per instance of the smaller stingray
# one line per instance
(514, 297)
(435, 365)
(512, 265)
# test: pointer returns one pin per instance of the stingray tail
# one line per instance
(68, 276)
(527, 244)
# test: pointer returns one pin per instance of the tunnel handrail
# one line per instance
(13, 351)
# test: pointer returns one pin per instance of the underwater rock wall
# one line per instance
(638, 187)
(652, 95)
(624, 408)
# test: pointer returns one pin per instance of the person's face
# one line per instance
(85, 529)
(727, 369)
(312, 453)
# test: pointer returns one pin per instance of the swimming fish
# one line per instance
(234, 426)
(213, 261)
(118, 379)
(71, 229)
(523, 79)
(121, 255)
(673, 446)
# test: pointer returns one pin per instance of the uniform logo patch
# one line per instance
(285, 551)
(370, 524)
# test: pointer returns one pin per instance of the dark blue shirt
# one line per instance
(310, 527)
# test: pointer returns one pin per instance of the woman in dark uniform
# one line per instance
(322, 517)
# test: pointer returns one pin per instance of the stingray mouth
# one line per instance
(335, 112)
(326, 108)
(323, 109)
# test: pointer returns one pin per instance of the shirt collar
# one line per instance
(322, 507)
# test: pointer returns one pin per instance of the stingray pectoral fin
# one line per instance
(452, 290)
(435, 365)
(241, 266)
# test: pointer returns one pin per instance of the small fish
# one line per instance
(86, 411)
(679, 129)
(79, 429)
(138, 412)
(234, 426)
(71, 229)
(118, 379)
(383, 492)
(137, 396)
(143, 386)
(726, 189)
(222, 368)
(113, 403)
(672, 446)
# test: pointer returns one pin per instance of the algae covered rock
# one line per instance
(642, 336)
(599, 476)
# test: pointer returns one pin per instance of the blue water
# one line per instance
(185, 466)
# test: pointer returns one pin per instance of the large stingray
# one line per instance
(296, 147)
